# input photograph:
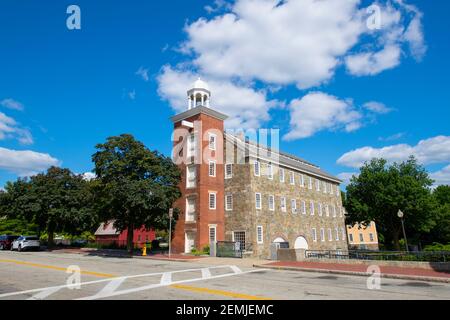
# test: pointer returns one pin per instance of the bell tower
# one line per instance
(198, 152)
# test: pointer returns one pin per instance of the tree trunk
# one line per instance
(395, 240)
(51, 236)
(130, 239)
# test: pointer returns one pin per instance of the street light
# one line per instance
(400, 215)
(170, 230)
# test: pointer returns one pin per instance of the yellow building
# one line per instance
(362, 237)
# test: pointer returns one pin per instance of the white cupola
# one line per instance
(199, 94)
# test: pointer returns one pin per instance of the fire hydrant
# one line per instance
(144, 250)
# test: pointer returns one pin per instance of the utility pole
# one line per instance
(170, 230)
(400, 215)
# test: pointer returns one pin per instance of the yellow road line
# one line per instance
(38, 265)
(218, 292)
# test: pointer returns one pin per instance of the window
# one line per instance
(283, 204)
(319, 208)
(212, 141)
(239, 236)
(281, 175)
(322, 234)
(337, 191)
(229, 202)
(271, 203)
(212, 234)
(302, 180)
(228, 170)
(269, 171)
(303, 207)
(310, 184)
(259, 234)
(337, 234)
(212, 200)
(327, 210)
(191, 145)
(350, 237)
(334, 211)
(190, 209)
(324, 187)
(212, 168)
(330, 235)
(361, 237)
(314, 234)
(343, 233)
(256, 167)
(294, 205)
(311, 207)
(291, 178)
(331, 188)
(371, 237)
(317, 185)
(258, 200)
(341, 213)
(191, 176)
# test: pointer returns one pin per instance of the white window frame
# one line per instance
(294, 206)
(269, 171)
(302, 180)
(271, 201)
(311, 207)
(337, 233)
(281, 175)
(229, 207)
(228, 175)
(327, 210)
(259, 234)
(212, 145)
(330, 235)
(319, 208)
(256, 200)
(324, 185)
(310, 183)
(334, 211)
(194, 180)
(303, 207)
(188, 213)
(215, 233)
(213, 163)
(257, 168)
(314, 234)
(291, 178)
(191, 145)
(317, 185)
(322, 234)
(331, 188)
(210, 193)
(343, 233)
(283, 204)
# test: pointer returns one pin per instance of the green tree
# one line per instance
(381, 190)
(441, 231)
(135, 186)
(56, 201)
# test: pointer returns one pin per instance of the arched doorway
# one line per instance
(301, 243)
(279, 239)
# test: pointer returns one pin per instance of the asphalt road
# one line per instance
(43, 275)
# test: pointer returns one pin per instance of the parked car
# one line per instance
(26, 243)
(6, 241)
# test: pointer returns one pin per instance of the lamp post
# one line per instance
(170, 230)
(400, 215)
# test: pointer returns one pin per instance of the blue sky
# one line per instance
(338, 91)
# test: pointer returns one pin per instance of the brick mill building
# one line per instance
(234, 189)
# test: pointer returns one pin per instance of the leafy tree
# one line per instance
(441, 232)
(135, 186)
(56, 201)
(381, 190)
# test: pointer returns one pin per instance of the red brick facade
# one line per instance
(204, 216)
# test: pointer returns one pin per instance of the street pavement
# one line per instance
(44, 275)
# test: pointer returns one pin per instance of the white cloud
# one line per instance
(132, 94)
(395, 136)
(377, 107)
(346, 176)
(441, 177)
(319, 111)
(143, 73)
(89, 176)
(428, 151)
(246, 107)
(9, 129)
(12, 104)
(26, 162)
(301, 41)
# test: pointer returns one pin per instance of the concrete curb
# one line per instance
(356, 273)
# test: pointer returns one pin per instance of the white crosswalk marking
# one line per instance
(166, 278)
(206, 273)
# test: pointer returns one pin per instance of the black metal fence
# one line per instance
(427, 256)
(230, 249)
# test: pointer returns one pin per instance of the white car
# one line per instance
(26, 243)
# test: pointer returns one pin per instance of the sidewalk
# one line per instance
(361, 270)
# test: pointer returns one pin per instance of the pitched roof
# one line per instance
(106, 229)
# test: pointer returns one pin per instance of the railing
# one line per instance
(429, 256)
